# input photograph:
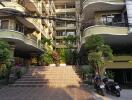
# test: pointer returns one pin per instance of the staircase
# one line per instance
(49, 76)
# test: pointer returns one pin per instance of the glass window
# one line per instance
(110, 19)
(4, 24)
(71, 33)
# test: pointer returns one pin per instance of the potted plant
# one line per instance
(63, 57)
(56, 57)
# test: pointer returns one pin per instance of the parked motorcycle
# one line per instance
(100, 88)
(112, 87)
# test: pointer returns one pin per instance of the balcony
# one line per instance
(31, 5)
(111, 34)
(66, 27)
(64, 10)
(122, 58)
(119, 62)
(104, 29)
(59, 37)
(117, 65)
(88, 2)
(92, 6)
(12, 6)
(15, 36)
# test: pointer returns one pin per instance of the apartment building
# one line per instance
(112, 19)
(24, 33)
(69, 11)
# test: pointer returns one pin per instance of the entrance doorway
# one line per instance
(122, 76)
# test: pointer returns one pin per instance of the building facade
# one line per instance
(112, 19)
(69, 11)
(24, 34)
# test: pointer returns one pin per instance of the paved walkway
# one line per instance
(44, 93)
(126, 94)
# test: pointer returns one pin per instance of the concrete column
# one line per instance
(12, 48)
(12, 74)
(129, 14)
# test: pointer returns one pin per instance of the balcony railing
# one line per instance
(87, 2)
(13, 34)
(13, 5)
(118, 24)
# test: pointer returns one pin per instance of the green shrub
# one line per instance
(3, 71)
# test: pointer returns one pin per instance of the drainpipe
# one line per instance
(129, 14)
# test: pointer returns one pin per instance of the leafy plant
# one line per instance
(44, 40)
(5, 60)
(69, 40)
(3, 71)
(97, 51)
(62, 53)
(56, 57)
(46, 58)
(4, 51)
(110, 74)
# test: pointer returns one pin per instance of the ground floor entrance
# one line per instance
(122, 76)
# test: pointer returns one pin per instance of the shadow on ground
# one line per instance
(45, 93)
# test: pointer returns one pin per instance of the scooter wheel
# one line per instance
(102, 92)
(118, 94)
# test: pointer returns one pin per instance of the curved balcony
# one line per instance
(104, 29)
(13, 6)
(32, 5)
(111, 34)
(21, 40)
(91, 6)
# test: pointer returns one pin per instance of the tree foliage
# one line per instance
(5, 58)
(44, 40)
(69, 40)
(4, 51)
(97, 51)
(94, 42)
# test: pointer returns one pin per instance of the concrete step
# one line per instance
(42, 85)
(50, 76)
(40, 79)
(31, 82)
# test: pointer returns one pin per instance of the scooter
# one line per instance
(112, 87)
(100, 88)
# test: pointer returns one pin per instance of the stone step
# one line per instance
(46, 82)
(32, 79)
(42, 85)
(49, 79)
(31, 82)
(51, 76)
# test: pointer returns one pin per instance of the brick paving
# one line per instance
(44, 93)
(51, 83)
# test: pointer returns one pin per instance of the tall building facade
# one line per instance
(69, 11)
(24, 34)
(112, 19)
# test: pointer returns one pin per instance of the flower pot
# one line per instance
(52, 65)
(63, 64)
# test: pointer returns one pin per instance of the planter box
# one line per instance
(62, 64)
(52, 65)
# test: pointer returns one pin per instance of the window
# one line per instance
(111, 19)
(60, 33)
(59, 42)
(71, 33)
(19, 27)
(4, 24)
